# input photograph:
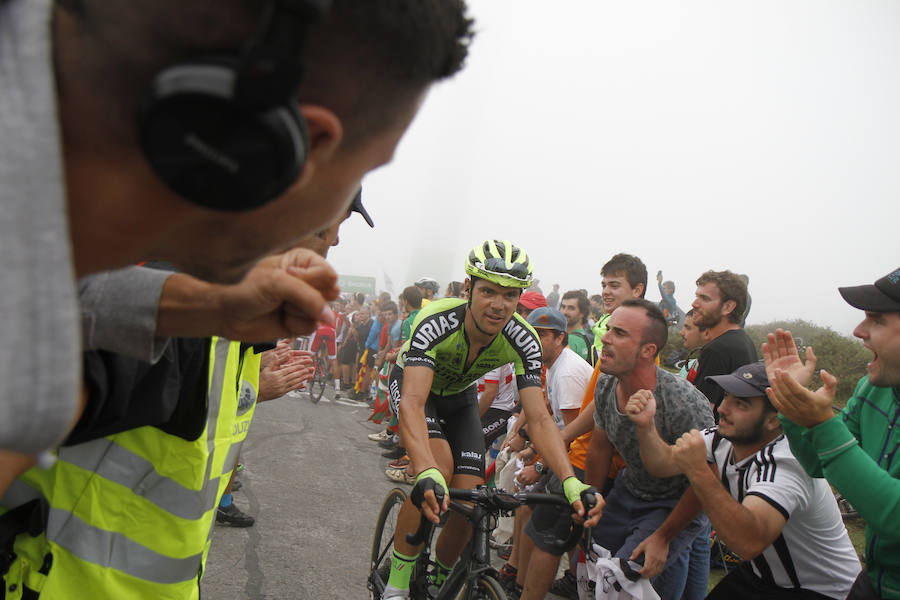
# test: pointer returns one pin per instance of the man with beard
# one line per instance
(575, 307)
(719, 306)
(761, 502)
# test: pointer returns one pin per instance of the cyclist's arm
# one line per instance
(416, 386)
(580, 425)
(544, 433)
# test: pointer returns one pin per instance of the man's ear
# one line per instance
(728, 307)
(771, 422)
(648, 351)
(638, 291)
(324, 135)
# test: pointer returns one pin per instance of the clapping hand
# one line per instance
(780, 353)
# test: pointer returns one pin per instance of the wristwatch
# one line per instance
(540, 468)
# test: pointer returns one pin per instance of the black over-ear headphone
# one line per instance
(225, 132)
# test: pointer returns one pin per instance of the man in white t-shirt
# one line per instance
(567, 379)
(567, 373)
(785, 524)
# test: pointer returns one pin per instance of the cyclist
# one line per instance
(453, 343)
(323, 341)
(428, 287)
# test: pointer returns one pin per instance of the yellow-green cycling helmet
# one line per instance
(500, 262)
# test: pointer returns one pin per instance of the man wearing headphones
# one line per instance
(205, 134)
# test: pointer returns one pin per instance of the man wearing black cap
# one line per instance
(762, 503)
(854, 450)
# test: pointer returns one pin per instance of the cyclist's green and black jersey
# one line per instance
(439, 341)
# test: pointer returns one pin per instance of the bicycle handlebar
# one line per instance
(496, 500)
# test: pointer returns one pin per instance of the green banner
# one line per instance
(350, 284)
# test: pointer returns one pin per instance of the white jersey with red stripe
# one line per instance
(507, 391)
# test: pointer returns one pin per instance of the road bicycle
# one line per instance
(473, 577)
(321, 377)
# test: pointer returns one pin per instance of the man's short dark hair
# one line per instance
(412, 296)
(731, 287)
(360, 298)
(584, 305)
(657, 330)
(390, 306)
(633, 268)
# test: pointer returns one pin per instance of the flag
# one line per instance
(381, 408)
(388, 284)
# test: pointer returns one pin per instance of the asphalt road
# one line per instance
(315, 484)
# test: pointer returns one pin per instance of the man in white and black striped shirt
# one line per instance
(758, 497)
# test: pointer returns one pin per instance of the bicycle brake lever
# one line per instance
(414, 539)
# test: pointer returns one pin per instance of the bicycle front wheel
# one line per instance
(317, 383)
(486, 588)
(383, 543)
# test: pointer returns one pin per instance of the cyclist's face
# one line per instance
(880, 333)
(493, 305)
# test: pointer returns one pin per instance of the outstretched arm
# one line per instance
(748, 527)
(282, 296)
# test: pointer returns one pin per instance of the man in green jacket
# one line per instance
(855, 449)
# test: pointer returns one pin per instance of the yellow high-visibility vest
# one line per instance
(131, 514)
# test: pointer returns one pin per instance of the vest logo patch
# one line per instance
(247, 397)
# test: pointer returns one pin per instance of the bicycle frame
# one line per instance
(474, 560)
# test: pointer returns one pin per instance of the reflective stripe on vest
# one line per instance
(143, 502)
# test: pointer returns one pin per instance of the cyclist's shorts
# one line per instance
(550, 526)
(326, 339)
(453, 418)
(493, 424)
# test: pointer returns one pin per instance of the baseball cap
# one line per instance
(746, 382)
(547, 318)
(532, 300)
(883, 296)
(357, 206)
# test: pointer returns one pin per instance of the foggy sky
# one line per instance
(759, 137)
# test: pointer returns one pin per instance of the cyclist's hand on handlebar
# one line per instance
(429, 494)
(577, 493)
